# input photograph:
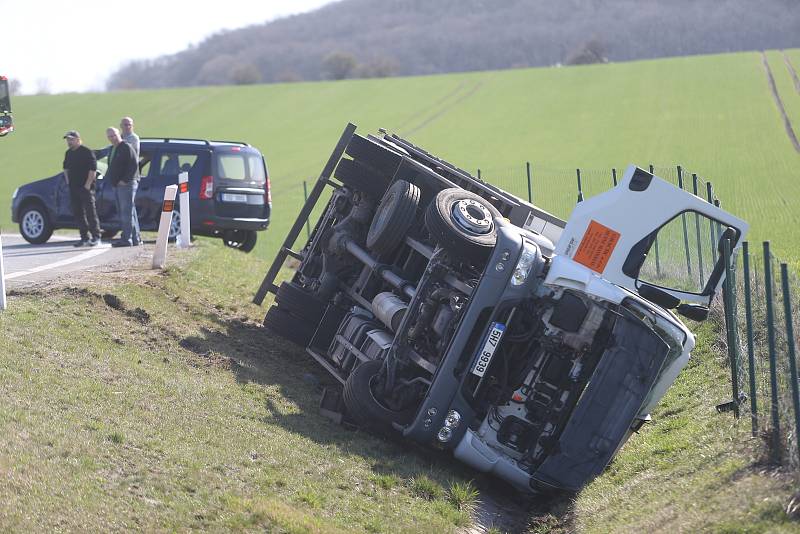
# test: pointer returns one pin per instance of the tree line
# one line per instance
(365, 38)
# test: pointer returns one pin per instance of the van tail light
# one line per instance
(268, 191)
(207, 188)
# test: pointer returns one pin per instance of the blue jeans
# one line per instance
(128, 220)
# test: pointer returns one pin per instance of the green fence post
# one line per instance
(751, 352)
(530, 190)
(697, 229)
(787, 306)
(685, 230)
(773, 372)
(580, 186)
(305, 199)
(479, 174)
(730, 324)
(614, 176)
(710, 195)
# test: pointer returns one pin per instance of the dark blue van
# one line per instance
(229, 193)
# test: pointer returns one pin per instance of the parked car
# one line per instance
(229, 193)
(460, 316)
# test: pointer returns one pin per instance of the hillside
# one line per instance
(363, 38)
(713, 114)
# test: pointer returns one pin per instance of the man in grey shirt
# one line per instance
(128, 135)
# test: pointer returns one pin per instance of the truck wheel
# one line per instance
(362, 405)
(361, 178)
(373, 155)
(300, 302)
(282, 323)
(394, 217)
(34, 224)
(462, 223)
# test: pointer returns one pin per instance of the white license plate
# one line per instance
(234, 197)
(485, 356)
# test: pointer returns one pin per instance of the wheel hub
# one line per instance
(472, 216)
(33, 223)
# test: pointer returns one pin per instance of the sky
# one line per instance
(65, 46)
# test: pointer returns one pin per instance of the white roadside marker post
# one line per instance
(2, 279)
(160, 254)
(185, 240)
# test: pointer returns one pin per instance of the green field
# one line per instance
(712, 114)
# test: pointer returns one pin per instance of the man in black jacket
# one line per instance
(80, 168)
(123, 173)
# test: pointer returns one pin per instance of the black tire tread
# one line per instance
(394, 217)
(361, 404)
(47, 231)
(450, 237)
(284, 324)
(298, 301)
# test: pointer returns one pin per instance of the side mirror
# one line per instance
(695, 312)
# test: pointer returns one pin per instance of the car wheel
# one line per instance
(394, 217)
(362, 178)
(244, 240)
(373, 155)
(34, 224)
(108, 234)
(300, 302)
(363, 407)
(288, 326)
(462, 223)
(174, 226)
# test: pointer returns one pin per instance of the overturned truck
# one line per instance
(459, 316)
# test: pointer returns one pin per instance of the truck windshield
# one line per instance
(5, 100)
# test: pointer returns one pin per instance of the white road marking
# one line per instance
(80, 257)
(52, 237)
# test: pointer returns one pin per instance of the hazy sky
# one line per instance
(75, 45)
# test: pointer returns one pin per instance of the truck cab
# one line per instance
(6, 119)
(461, 317)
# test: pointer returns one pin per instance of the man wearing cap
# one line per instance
(123, 173)
(80, 168)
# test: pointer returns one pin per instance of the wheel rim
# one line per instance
(33, 223)
(175, 225)
(472, 216)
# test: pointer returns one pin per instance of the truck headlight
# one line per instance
(524, 264)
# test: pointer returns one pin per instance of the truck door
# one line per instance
(647, 234)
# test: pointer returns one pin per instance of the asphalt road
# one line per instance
(25, 263)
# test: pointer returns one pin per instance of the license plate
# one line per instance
(485, 356)
(234, 197)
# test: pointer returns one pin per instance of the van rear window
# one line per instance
(248, 167)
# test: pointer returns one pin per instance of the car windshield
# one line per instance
(241, 166)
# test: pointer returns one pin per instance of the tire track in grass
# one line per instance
(787, 124)
(446, 106)
(792, 71)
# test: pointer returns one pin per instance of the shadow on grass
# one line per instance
(255, 355)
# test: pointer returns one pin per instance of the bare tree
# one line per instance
(339, 65)
(43, 86)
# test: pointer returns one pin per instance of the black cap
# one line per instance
(73, 134)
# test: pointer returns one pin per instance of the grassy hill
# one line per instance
(712, 114)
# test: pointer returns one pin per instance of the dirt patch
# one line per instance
(137, 314)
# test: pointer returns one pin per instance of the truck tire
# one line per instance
(393, 218)
(362, 178)
(288, 326)
(300, 302)
(363, 407)
(462, 223)
(34, 223)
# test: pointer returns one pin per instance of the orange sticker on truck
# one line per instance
(596, 246)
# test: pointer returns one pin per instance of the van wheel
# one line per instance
(462, 223)
(34, 224)
(299, 301)
(284, 324)
(394, 217)
(361, 178)
(244, 240)
(363, 407)
(174, 226)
